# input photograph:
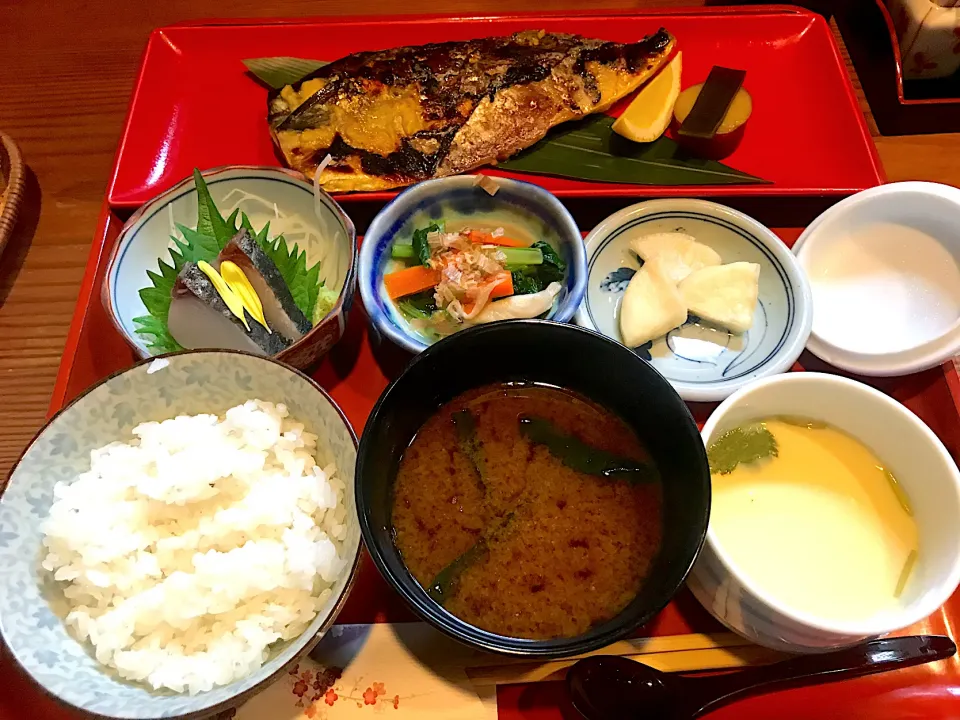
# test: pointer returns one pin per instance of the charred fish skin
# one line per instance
(191, 281)
(396, 117)
(244, 250)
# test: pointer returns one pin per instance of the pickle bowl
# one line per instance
(704, 363)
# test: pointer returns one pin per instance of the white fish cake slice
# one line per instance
(651, 306)
(679, 253)
(725, 295)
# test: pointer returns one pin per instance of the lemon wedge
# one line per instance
(648, 116)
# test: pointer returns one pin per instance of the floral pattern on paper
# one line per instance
(318, 690)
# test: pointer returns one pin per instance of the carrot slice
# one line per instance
(485, 238)
(410, 281)
(504, 287)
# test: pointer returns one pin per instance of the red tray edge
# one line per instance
(771, 9)
(117, 200)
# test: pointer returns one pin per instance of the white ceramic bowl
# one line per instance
(703, 363)
(917, 458)
(32, 604)
(884, 270)
(145, 239)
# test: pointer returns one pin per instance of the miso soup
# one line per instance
(528, 511)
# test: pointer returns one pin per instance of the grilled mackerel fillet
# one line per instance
(396, 117)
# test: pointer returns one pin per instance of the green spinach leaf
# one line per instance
(421, 247)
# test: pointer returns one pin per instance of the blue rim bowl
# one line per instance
(524, 201)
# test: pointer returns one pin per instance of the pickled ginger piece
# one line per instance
(725, 295)
(651, 306)
(520, 306)
(279, 308)
(199, 318)
(681, 254)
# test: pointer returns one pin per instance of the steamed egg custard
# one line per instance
(816, 523)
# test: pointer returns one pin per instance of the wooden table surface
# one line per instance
(66, 72)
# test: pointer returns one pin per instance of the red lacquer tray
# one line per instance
(831, 158)
(356, 372)
(806, 137)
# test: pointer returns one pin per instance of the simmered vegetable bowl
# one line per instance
(445, 278)
(460, 251)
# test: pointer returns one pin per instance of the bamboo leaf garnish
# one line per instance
(590, 150)
(279, 72)
(745, 444)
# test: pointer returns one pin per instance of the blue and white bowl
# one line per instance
(32, 606)
(516, 203)
(703, 363)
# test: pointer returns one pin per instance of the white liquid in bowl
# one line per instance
(819, 528)
(884, 287)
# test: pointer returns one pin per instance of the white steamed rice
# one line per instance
(187, 551)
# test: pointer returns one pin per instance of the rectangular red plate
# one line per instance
(194, 104)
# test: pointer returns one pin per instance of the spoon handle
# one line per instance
(707, 693)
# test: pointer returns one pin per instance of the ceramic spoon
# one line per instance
(618, 688)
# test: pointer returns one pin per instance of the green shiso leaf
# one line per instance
(746, 444)
(209, 220)
(195, 246)
(590, 150)
(205, 242)
(277, 72)
(303, 282)
(156, 333)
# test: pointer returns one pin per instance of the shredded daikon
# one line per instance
(295, 231)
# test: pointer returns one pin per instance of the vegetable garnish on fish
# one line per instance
(226, 286)
(448, 280)
(395, 117)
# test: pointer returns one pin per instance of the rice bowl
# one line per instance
(42, 619)
(188, 551)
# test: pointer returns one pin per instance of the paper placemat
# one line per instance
(406, 670)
